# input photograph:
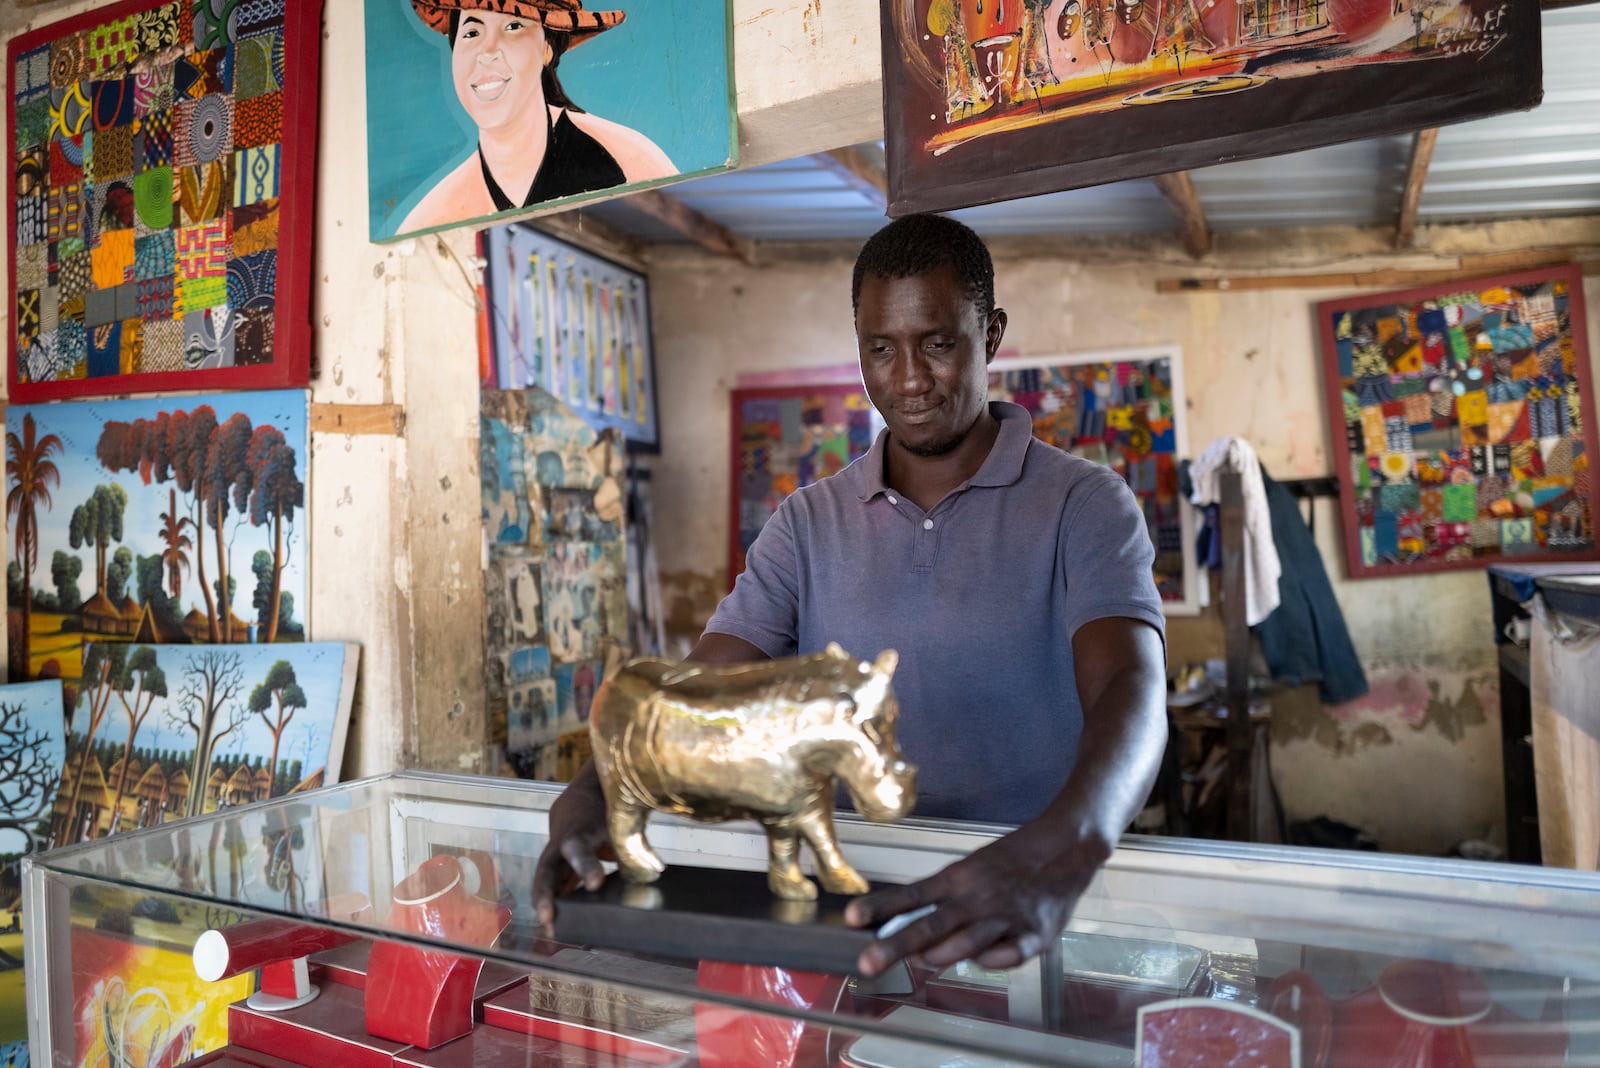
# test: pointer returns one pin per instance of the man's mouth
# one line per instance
(490, 88)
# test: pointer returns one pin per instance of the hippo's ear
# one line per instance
(835, 650)
(887, 661)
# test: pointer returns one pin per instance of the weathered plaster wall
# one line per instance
(1417, 762)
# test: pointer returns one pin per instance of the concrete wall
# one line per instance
(1417, 762)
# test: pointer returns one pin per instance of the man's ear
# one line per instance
(996, 330)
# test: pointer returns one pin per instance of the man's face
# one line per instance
(496, 61)
(925, 351)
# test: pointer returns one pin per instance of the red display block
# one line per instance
(490, 1047)
(510, 1012)
(326, 1032)
(347, 966)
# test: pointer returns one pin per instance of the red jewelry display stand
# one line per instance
(423, 997)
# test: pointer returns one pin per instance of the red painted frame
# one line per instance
(292, 319)
(1325, 311)
(735, 402)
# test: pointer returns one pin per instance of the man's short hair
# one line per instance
(917, 244)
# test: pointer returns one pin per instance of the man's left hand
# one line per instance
(998, 907)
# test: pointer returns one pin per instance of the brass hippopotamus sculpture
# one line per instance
(762, 741)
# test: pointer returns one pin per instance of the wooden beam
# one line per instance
(703, 231)
(1463, 269)
(585, 230)
(861, 171)
(1179, 191)
(386, 420)
(1405, 228)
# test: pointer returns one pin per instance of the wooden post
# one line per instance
(1236, 647)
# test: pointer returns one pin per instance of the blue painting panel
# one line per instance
(482, 113)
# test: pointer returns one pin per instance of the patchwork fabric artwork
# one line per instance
(556, 581)
(785, 438)
(1468, 422)
(574, 324)
(1123, 410)
(160, 198)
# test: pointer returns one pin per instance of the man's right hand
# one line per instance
(578, 843)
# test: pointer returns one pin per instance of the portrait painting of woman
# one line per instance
(524, 135)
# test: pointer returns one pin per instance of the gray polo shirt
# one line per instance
(980, 596)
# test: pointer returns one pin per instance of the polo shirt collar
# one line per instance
(1001, 467)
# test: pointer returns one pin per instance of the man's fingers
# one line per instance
(928, 930)
(881, 905)
(966, 942)
(580, 856)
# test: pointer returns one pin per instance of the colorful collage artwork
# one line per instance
(1467, 422)
(160, 198)
(784, 438)
(1123, 410)
(575, 325)
(556, 580)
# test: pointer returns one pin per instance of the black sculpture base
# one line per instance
(710, 914)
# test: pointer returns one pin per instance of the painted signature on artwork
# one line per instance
(1478, 35)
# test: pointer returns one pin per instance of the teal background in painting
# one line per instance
(664, 71)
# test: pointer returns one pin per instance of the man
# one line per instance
(1013, 579)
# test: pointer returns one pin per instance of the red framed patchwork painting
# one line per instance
(1463, 419)
(784, 438)
(161, 198)
(1123, 409)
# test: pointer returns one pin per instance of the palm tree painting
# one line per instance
(160, 520)
(29, 475)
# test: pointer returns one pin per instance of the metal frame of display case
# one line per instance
(1215, 894)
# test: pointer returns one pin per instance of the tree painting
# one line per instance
(207, 707)
(30, 763)
(175, 545)
(275, 701)
(203, 485)
(103, 672)
(31, 736)
(98, 522)
(171, 730)
(149, 682)
(30, 474)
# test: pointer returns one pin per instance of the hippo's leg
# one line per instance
(783, 864)
(816, 824)
(637, 861)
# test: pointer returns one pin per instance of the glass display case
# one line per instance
(386, 923)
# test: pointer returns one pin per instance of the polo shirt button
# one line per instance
(893, 499)
(927, 524)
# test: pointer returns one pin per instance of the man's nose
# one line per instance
(910, 373)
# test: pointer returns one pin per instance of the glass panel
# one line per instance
(1172, 940)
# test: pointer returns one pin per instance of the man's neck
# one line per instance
(927, 480)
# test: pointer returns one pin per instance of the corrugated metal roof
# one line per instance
(1543, 162)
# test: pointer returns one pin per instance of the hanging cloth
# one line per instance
(1261, 565)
